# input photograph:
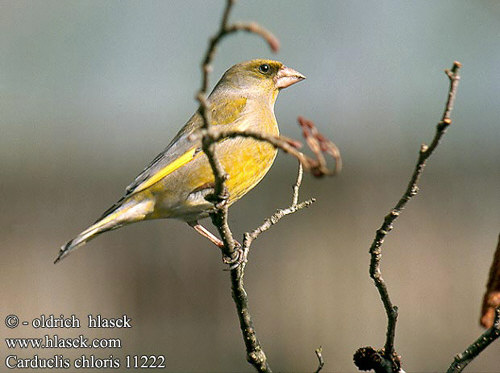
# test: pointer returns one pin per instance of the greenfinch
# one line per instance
(178, 181)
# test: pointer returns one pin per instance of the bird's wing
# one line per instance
(182, 149)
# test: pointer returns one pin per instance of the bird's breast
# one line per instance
(245, 160)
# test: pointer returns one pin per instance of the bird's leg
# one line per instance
(218, 200)
(241, 254)
(206, 233)
(240, 259)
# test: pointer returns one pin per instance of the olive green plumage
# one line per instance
(177, 181)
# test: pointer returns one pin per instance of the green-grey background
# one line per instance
(91, 91)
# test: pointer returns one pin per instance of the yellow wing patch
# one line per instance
(168, 169)
(222, 113)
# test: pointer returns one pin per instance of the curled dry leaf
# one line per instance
(319, 145)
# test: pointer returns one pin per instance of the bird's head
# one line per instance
(259, 78)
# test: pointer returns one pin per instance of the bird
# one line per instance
(178, 182)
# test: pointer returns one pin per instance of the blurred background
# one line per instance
(91, 91)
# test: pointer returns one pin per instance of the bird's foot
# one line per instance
(219, 200)
(240, 257)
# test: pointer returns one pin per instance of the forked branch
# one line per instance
(392, 360)
(233, 254)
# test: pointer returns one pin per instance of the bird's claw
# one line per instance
(241, 258)
(219, 200)
(222, 202)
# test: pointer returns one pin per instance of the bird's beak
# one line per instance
(286, 77)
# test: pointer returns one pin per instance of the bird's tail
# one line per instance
(116, 218)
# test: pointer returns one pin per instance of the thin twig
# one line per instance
(249, 237)
(296, 186)
(411, 190)
(255, 28)
(316, 142)
(255, 353)
(219, 216)
(488, 337)
(226, 29)
(321, 362)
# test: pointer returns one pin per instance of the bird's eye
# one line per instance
(264, 68)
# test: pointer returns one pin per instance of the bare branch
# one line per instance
(226, 29)
(255, 28)
(321, 362)
(318, 144)
(232, 253)
(255, 353)
(219, 217)
(411, 190)
(296, 186)
(249, 237)
(488, 337)
(491, 299)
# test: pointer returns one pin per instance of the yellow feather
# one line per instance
(171, 167)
